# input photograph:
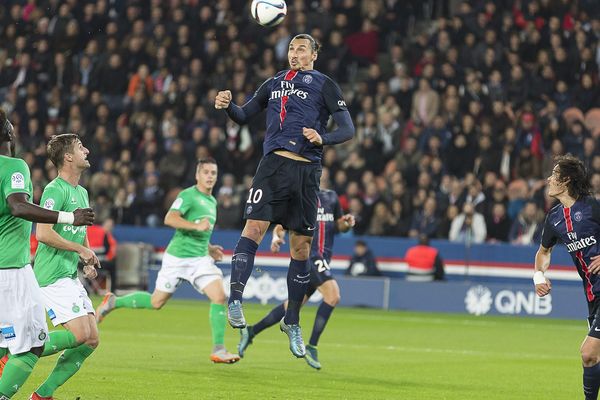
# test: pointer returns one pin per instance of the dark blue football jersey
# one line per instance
(328, 212)
(578, 227)
(296, 100)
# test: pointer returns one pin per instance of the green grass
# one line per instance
(366, 354)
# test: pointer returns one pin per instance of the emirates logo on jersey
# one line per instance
(578, 244)
(288, 89)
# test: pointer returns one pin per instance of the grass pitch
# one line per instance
(366, 354)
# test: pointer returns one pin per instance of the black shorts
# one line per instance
(319, 274)
(284, 191)
(594, 318)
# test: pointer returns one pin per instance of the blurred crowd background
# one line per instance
(460, 107)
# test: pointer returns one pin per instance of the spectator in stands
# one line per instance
(363, 261)
(425, 221)
(468, 227)
(104, 245)
(424, 262)
(527, 228)
(497, 223)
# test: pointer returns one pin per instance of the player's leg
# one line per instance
(23, 326)
(298, 278)
(167, 281)
(242, 264)
(218, 319)
(70, 361)
(331, 297)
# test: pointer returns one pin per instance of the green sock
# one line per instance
(67, 365)
(218, 319)
(15, 373)
(59, 341)
(3, 352)
(135, 300)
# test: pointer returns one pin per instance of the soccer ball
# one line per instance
(268, 12)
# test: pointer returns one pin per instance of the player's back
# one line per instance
(297, 100)
(14, 232)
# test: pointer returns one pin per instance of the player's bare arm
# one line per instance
(20, 207)
(45, 234)
(542, 263)
(345, 222)
(215, 251)
(89, 270)
(175, 220)
(278, 238)
(594, 266)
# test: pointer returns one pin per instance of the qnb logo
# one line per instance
(582, 243)
(288, 89)
(479, 300)
(74, 229)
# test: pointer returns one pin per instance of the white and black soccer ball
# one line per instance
(268, 12)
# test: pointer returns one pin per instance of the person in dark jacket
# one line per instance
(363, 261)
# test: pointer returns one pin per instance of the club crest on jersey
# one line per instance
(577, 217)
(307, 79)
(288, 89)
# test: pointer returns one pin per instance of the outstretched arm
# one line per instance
(175, 220)
(20, 207)
(243, 114)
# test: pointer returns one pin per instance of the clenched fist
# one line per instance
(223, 99)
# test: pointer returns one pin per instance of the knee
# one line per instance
(253, 230)
(157, 304)
(332, 299)
(218, 298)
(93, 342)
(82, 336)
(589, 357)
(301, 251)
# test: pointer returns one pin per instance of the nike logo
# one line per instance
(310, 228)
(557, 223)
(597, 330)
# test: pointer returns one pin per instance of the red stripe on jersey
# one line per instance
(321, 231)
(288, 77)
(579, 255)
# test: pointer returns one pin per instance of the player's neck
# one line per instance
(71, 177)
(204, 190)
(566, 200)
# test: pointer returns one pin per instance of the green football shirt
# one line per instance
(14, 232)
(193, 206)
(52, 264)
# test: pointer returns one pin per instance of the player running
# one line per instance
(23, 328)
(61, 245)
(188, 257)
(576, 223)
(284, 190)
(329, 221)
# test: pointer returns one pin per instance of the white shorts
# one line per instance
(65, 300)
(198, 271)
(22, 318)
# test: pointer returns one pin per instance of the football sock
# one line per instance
(273, 317)
(218, 318)
(591, 382)
(298, 278)
(59, 341)
(3, 352)
(67, 365)
(15, 373)
(134, 300)
(242, 264)
(323, 314)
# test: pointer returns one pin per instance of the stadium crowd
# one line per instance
(459, 113)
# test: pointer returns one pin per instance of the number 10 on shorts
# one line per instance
(254, 196)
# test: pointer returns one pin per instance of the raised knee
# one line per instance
(93, 342)
(253, 231)
(157, 304)
(333, 300)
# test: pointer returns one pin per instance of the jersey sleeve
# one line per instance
(16, 179)
(549, 237)
(337, 208)
(595, 210)
(182, 204)
(334, 100)
(53, 198)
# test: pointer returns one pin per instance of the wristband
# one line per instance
(539, 278)
(65, 218)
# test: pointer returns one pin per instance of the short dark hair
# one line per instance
(573, 170)
(314, 45)
(206, 160)
(59, 145)
(6, 128)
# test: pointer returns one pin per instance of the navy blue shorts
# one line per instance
(594, 318)
(284, 191)
(319, 274)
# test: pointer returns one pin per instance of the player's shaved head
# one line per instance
(59, 145)
(314, 45)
